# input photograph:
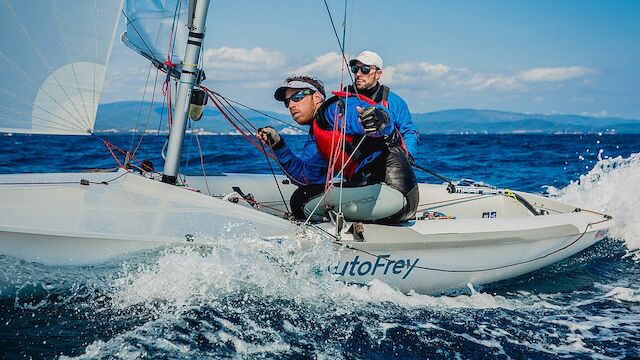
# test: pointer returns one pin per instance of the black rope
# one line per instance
(433, 173)
(274, 177)
(137, 32)
(260, 112)
(344, 58)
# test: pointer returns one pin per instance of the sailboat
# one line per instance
(55, 56)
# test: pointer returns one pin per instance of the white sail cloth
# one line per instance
(157, 29)
(53, 56)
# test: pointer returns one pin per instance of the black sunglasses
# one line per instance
(366, 69)
(297, 96)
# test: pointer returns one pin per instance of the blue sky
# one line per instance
(577, 57)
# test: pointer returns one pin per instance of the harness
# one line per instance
(380, 97)
(329, 141)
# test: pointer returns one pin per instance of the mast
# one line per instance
(197, 19)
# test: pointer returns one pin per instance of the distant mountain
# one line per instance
(122, 117)
(499, 122)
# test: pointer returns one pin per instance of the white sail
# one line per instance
(156, 29)
(53, 56)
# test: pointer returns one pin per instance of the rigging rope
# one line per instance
(344, 57)
(258, 111)
(247, 128)
(337, 144)
(158, 70)
(204, 174)
(246, 124)
(275, 179)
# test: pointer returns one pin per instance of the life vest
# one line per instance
(329, 141)
(384, 158)
(379, 97)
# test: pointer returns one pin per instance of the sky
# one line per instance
(562, 57)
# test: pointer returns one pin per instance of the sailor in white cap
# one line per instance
(360, 147)
(367, 70)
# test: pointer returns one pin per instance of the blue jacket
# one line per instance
(402, 117)
(310, 167)
(307, 168)
(399, 113)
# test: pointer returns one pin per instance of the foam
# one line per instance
(624, 294)
(611, 186)
(191, 276)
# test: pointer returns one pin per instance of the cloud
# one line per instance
(408, 72)
(481, 82)
(326, 65)
(249, 75)
(255, 59)
(603, 113)
(444, 78)
(434, 69)
(555, 74)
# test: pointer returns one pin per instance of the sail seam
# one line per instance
(32, 122)
(37, 51)
(95, 58)
(32, 81)
(71, 62)
(23, 100)
(16, 111)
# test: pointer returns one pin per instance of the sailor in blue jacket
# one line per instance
(306, 104)
(367, 70)
(372, 159)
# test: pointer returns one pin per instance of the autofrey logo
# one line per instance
(382, 266)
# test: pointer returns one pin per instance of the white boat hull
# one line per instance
(443, 260)
(55, 220)
(431, 255)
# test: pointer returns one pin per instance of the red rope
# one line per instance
(253, 139)
(223, 110)
(110, 146)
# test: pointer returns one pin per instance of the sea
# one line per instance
(238, 302)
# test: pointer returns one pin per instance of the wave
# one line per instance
(611, 186)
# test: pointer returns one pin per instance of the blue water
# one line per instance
(234, 301)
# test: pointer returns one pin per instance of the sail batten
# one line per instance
(54, 54)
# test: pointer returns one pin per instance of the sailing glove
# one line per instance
(373, 119)
(270, 137)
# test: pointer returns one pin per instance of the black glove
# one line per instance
(269, 136)
(373, 119)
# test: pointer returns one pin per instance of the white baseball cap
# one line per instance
(368, 58)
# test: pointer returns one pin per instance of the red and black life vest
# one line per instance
(329, 141)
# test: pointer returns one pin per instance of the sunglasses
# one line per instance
(365, 69)
(297, 97)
